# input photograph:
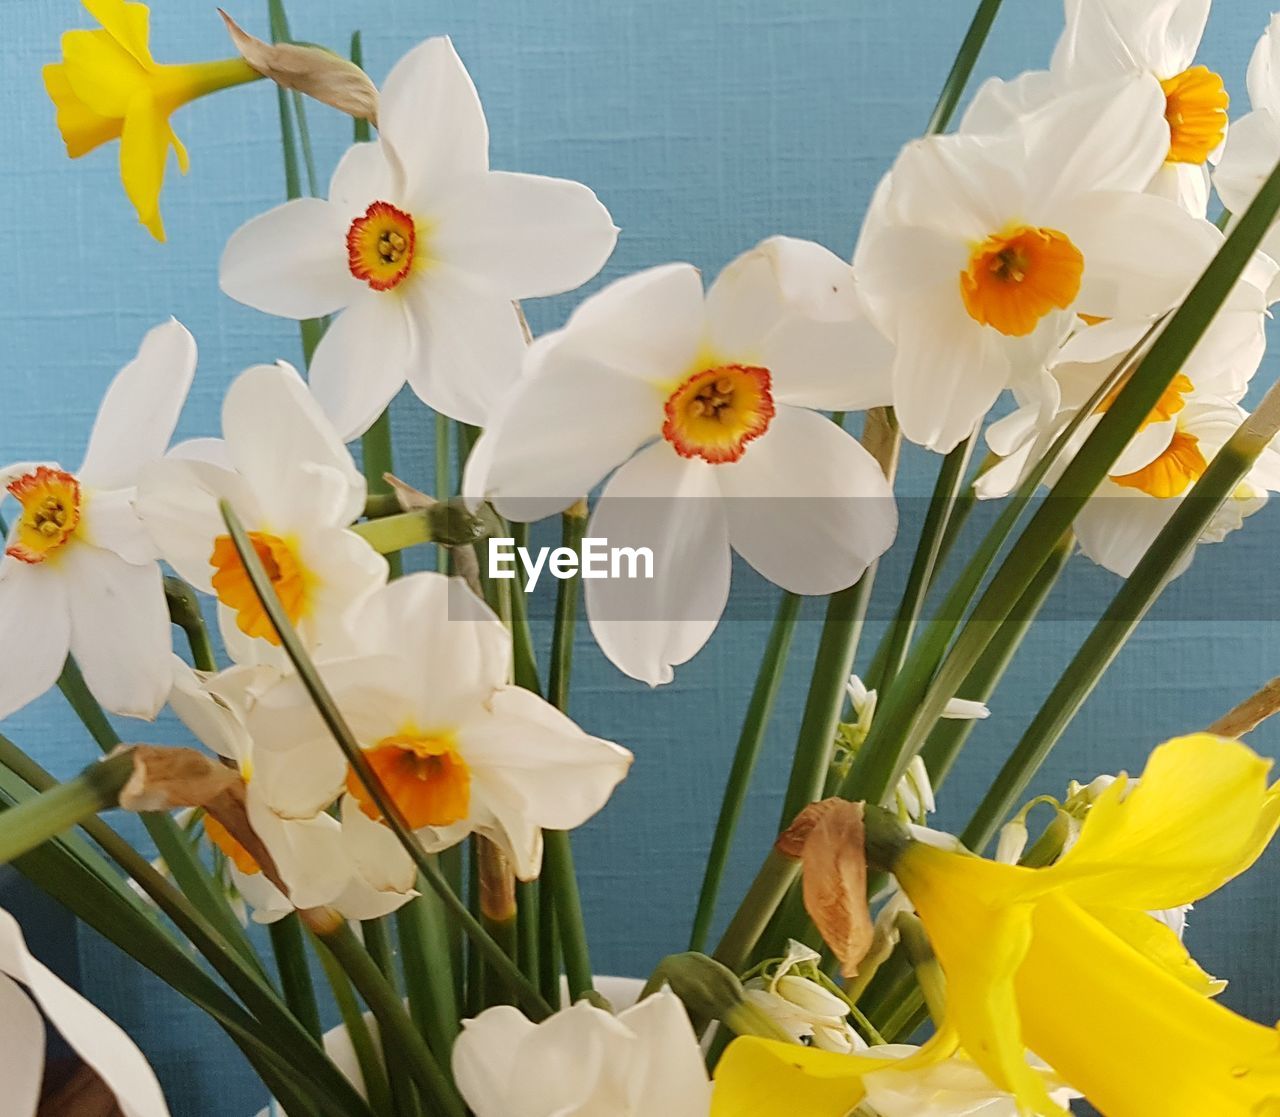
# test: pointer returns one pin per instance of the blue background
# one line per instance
(704, 125)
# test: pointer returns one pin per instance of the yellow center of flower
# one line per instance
(221, 837)
(1196, 108)
(50, 502)
(1017, 276)
(1173, 472)
(380, 246)
(290, 579)
(1172, 400)
(715, 412)
(424, 775)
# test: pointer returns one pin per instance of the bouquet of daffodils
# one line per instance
(384, 773)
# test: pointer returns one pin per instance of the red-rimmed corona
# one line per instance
(382, 246)
(50, 500)
(716, 411)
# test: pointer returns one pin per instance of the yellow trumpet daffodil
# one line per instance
(108, 87)
(1064, 961)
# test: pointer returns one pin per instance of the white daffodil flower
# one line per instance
(708, 404)
(465, 754)
(79, 574)
(296, 490)
(789, 994)
(1105, 40)
(955, 1087)
(980, 250)
(644, 1062)
(360, 870)
(96, 1039)
(1253, 148)
(423, 249)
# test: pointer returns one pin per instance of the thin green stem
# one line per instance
(63, 807)
(368, 1055)
(428, 971)
(767, 891)
(290, 949)
(526, 659)
(387, 806)
(572, 525)
(962, 68)
(184, 611)
(560, 886)
(750, 740)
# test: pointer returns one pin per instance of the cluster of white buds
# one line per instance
(797, 996)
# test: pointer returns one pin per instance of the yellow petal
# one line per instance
(82, 129)
(128, 24)
(764, 1078)
(1133, 1038)
(1158, 943)
(144, 150)
(104, 75)
(1200, 815)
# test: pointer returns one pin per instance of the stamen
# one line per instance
(1017, 276)
(716, 411)
(50, 500)
(380, 246)
(425, 776)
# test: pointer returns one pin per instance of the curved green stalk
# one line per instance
(962, 68)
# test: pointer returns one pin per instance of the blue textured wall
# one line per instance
(704, 125)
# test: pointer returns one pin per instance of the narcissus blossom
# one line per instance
(644, 1062)
(990, 279)
(422, 248)
(25, 984)
(80, 573)
(1253, 148)
(108, 87)
(463, 753)
(295, 488)
(707, 403)
(1066, 961)
(1109, 40)
(360, 870)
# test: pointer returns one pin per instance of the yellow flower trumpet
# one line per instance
(108, 87)
(1066, 962)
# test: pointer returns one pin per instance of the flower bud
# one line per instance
(798, 997)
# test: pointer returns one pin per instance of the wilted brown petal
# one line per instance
(311, 70)
(834, 863)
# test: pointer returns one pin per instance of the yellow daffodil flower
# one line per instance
(1064, 960)
(108, 87)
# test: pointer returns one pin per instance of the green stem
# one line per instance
(184, 611)
(1131, 603)
(750, 740)
(528, 915)
(526, 660)
(428, 971)
(754, 913)
(560, 885)
(368, 1056)
(62, 808)
(290, 950)
(549, 954)
(494, 955)
(962, 67)
(393, 1022)
(572, 525)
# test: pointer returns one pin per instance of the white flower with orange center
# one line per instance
(1105, 40)
(1253, 148)
(423, 249)
(295, 488)
(79, 573)
(704, 405)
(359, 870)
(980, 250)
(458, 749)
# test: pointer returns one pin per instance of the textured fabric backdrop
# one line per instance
(704, 125)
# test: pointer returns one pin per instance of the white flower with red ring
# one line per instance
(705, 405)
(458, 749)
(79, 574)
(296, 489)
(980, 250)
(361, 871)
(422, 248)
(1105, 40)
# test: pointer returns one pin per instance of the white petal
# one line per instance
(1263, 77)
(1251, 153)
(109, 520)
(1141, 253)
(808, 507)
(344, 570)
(429, 115)
(35, 631)
(362, 361)
(602, 415)
(291, 261)
(363, 175)
(379, 857)
(648, 325)
(97, 1040)
(963, 709)
(273, 427)
(999, 104)
(672, 1080)
(831, 366)
(1186, 184)
(1109, 136)
(120, 630)
(178, 502)
(211, 718)
(22, 1044)
(1117, 525)
(524, 236)
(470, 346)
(141, 408)
(672, 506)
(301, 782)
(482, 1058)
(1108, 37)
